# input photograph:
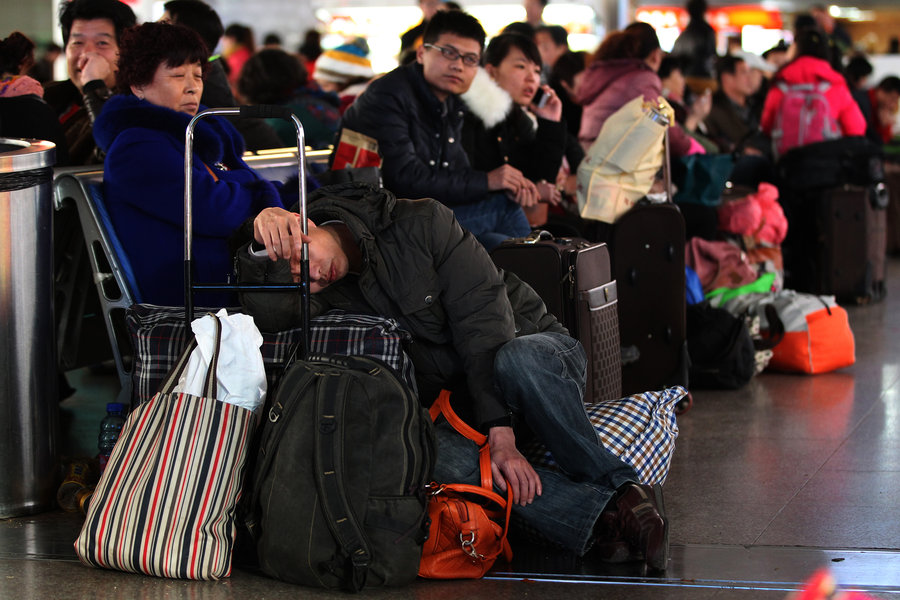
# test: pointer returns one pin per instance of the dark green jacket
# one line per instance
(423, 269)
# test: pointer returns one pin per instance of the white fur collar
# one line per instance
(487, 100)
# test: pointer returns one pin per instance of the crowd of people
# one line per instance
(484, 130)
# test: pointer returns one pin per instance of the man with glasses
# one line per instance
(416, 115)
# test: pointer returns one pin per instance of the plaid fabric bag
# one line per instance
(640, 429)
(158, 336)
(165, 503)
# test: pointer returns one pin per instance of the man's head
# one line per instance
(328, 259)
(734, 78)
(552, 42)
(198, 16)
(823, 17)
(534, 11)
(887, 94)
(450, 52)
(93, 27)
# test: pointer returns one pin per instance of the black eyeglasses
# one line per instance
(451, 54)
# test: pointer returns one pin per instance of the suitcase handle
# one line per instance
(537, 235)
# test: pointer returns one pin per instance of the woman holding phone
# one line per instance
(512, 118)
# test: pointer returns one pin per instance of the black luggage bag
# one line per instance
(646, 246)
(834, 198)
(573, 278)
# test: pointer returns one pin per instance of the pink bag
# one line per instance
(718, 264)
(758, 215)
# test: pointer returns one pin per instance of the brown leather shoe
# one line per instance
(641, 526)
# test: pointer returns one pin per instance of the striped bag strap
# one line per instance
(210, 383)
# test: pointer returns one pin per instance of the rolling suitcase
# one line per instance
(837, 243)
(573, 278)
(646, 246)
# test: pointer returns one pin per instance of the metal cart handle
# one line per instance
(262, 111)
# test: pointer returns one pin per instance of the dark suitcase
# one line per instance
(573, 278)
(838, 243)
(892, 180)
(646, 246)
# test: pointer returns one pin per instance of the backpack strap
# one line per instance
(328, 461)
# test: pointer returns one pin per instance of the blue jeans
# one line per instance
(542, 379)
(493, 220)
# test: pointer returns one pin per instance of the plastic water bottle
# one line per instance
(110, 427)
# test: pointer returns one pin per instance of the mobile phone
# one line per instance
(540, 98)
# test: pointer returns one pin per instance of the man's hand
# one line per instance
(507, 462)
(279, 231)
(94, 66)
(508, 178)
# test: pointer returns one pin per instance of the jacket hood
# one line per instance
(808, 69)
(487, 100)
(366, 210)
(123, 112)
(602, 73)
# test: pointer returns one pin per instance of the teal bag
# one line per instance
(704, 179)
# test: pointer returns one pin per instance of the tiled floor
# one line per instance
(768, 484)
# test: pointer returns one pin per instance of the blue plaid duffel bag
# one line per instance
(158, 337)
(640, 429)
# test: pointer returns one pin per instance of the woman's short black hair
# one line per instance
(144, 48)
(814, 42)
(14, 51)
(669, 63)
(500, 45)
(271, 76)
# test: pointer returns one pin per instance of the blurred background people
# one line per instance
(23, 112)
(273, 76)
(345, 71)
(310, 49)
(42, 70)
(552, 42)
(412, 38)
(237, 48)
(624, 67)
(696, 45)
(811, 66)
(885, 101)
(534, 12)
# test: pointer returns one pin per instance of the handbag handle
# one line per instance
(442, 406)
(210, 383)
(486, 489)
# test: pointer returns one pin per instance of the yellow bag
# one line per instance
(621, 164)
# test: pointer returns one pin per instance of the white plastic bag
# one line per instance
(240, 375)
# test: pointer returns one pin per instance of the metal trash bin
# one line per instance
(28, 374)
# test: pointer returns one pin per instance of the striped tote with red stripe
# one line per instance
(165, 505)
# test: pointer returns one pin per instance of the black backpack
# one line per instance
(720, 348)
(344, 454)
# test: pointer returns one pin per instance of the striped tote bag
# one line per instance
(165, 505)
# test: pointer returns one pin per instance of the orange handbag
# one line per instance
(468, 523)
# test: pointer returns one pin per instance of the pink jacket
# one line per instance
(807, 69)
(610, 84)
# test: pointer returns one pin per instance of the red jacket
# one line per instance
(807, 69)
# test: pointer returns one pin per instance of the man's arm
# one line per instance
(390, 115)
(481, 320)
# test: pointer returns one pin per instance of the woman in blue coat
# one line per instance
(142, 129)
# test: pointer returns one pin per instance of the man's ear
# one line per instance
(420, 54)
(138, 91)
